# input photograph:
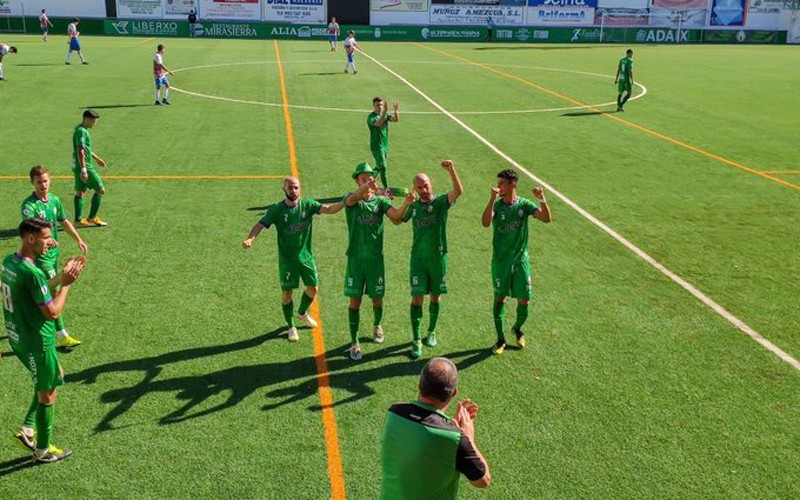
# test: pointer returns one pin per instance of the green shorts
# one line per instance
(624, 86)
(364, 276)
(381, 161)
(44, 367)
(292, 272)
(512, 279)
(94, 182)
(428, 276)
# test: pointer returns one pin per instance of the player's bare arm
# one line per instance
(543, 213)
(395, 116)
(396, 215)
(488, 213)
(458, 188)
(99, 160)
(360, 193)
(75, 236)
(71, 271)
(379, 122)
(331, 208)
(248, 242)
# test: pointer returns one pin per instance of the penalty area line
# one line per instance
(717, 308)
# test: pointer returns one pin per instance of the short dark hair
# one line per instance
(13, 49)
(629, 52)
(376, 99)
(34, 225)
(438, 380)
(37, 170)
(75, 20)
(508, 175)
(90, 113)
(160, 47)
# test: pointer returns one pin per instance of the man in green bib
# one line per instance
(508, 215)
(365, 272)
(292, 218)
(46, 205)
(30, 311)
(423, 451)
(428, 266)
(624, 79)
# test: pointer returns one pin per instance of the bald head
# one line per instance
(423, 187)
(291, 187)
(439, 380)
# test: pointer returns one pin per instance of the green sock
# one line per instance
(305, 303)
(96, 199)
(60, 324)
(78, 207)
(378, 315)
(288, 313)
(433, 310)
(416, 321)
(522, 316)
(354, 319)
(499, 314)
(45, 414)
(30, 417)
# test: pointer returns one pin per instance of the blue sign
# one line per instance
(727, 13)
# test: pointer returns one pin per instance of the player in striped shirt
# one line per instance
(74, 42)
(5, 49)
(45, 24)
(159, 72)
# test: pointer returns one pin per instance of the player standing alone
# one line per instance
(159, 71)
(350, 46)
(378, 123)
(45, 24)
(86, 176)
(5, 49)
(624, 79)
(511, 267)
(333, 33)
(74, 41)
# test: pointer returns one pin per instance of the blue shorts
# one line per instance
(45, 29)
(350, 57)
(331, 38)
(162, 82)
(74, 44)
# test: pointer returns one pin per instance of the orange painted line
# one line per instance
(784, 172)
(646, 130)
(335, 473)
(158, 177)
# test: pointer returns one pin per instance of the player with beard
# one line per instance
(292, 219)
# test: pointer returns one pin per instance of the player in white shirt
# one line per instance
(350, 45)
(159, 72)
(74, 42)
(333, 33)
(5, 49)
(45, 24)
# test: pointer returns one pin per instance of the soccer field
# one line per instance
(675, 241)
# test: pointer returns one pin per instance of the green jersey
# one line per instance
(25, 288)
(50, 210)
(365, 227)
(293, 225)
(510, 225)
(378, 136)
(417, 437)
(626, 69)
(81, 140)
(430, 227)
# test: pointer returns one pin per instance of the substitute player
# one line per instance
(378, 124)
(45, 24)
(74, 41)
(624, 79)
(292, 219)
(86, 176)
(365, 272)
(333, 34)
(428, 267)
(350, 46)
(47, 206)
(5, 49)
(511, 268)
(30, 309)
(160, 72)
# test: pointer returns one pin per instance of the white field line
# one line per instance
(350, 110)
(741, 325)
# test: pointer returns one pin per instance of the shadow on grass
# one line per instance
(39, 64)
(114, 106)
(16, 464)
(535, 47)
(240, 382)
(587, 113)
(328, 73)
(7, 234)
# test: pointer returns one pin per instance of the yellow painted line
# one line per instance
(160, 177)
(142, 42)
(335, 473)
(619, 120)
(784, 172)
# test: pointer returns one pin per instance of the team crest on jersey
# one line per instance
(42, 214)
(521, 213)
(26, 213)
(430, 208)
(302, 215)
(502, 216)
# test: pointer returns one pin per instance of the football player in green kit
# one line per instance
(29, 310)
(624, 79)
(378, 123)
(292, 219)
(511, 268)
(46, 205)
(428, 266)
(84, 160)
(365, 267)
